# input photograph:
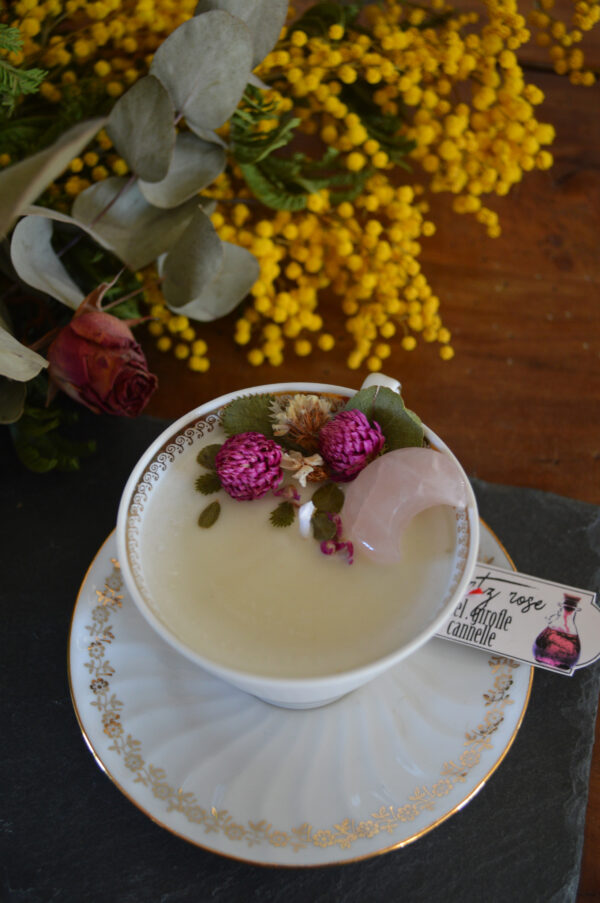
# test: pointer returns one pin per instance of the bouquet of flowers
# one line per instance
(178, 162)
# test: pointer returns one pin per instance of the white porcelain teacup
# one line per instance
(258, 605)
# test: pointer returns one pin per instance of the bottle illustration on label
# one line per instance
(558, 644)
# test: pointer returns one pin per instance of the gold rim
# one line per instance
(394, 846)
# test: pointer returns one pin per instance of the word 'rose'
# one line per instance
(96, 360)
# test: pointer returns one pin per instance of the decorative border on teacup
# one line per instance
(343, 835)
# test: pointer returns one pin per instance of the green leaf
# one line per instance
(328, 498)
(141, 128)
(283, 515)
(248, 413)
(237, 274)
(40, 445)
(206, 456)
(264, 18)
(318, 19)
(208, 483)
(322, 525)
(271, 190)
(38, 264)
(194, 165)
(121, 219)
(401, 427)
(21, 183)
(14, 81)
(209, 515)
(204, 65)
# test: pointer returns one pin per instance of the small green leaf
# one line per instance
(329, 498)
(323, 527)
(209, 515)
(283, 515)
(272, 192)
(206, 456)
(401, 428)
(250, 413)
(207, 483)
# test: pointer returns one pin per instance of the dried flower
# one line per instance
(96, 360)
(301, 417)
(248, 465)
(348, 443)
(302, 468)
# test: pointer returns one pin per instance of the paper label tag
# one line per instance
(535, 621)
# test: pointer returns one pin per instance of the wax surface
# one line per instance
(263, 599)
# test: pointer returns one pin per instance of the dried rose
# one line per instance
(96, 360)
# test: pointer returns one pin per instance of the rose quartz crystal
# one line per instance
(391, 490)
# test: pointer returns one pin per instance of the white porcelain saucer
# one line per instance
(373, 771)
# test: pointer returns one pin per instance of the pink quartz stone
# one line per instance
(391, 490)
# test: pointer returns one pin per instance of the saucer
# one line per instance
(369, 773)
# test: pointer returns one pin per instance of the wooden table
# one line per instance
(520, 402)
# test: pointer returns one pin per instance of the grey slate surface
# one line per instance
(67, 835)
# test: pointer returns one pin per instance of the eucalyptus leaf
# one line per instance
(207, 135)
(141, 126)
(323, 526)
(329, 498)
(400, 427)
(136, 231)
(207, 454)
(21, 183)
(194, 165)
(37, 263)
(204, 65)
(12, 399)
(16, 360)
(264, 18)
(193, 262)
(238, 273)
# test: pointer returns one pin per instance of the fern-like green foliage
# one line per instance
(15, 82)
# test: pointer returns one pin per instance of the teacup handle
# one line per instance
(380, 379)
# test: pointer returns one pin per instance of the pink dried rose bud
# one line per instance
(248, 466)
(348, 443)
(96, 360)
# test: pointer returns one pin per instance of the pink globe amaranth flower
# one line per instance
(96, 360)
(248, 466)
(348, 443)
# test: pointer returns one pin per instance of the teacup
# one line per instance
(259, 605)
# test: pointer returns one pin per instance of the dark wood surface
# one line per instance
(520, 402)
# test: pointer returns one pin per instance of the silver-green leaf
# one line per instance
(141, 126)
(16, 360)
(264, 18)
(193, 262)
(21, 183)
(204, 65)
(238, 273)
(12, 399)
(38, 264)
(194, 165)
(136, 231)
